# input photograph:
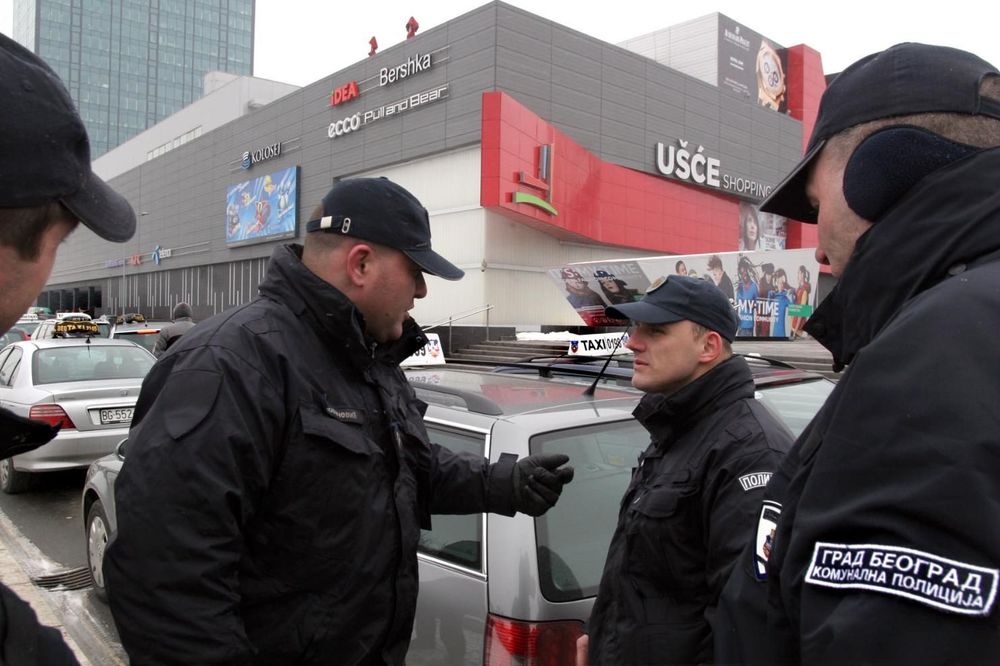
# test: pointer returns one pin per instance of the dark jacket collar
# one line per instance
(329, 312)
(668, 416)
(18, 434)
(948, 220)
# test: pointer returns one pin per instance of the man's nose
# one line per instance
(421, 287)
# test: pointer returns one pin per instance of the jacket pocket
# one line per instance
(330, 432)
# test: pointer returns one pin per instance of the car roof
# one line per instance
(554, 383)
(49, 343)
(140, 326)
(502, 395)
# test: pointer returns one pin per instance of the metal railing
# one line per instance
(457, 317)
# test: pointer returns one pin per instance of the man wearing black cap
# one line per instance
(877, 540)
(278, 470)
(693, 495)
(47, 189)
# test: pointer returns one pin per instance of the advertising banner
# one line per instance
(591, 287)
(752, 66)
(760, 231)
(773, 292)
(262, 209)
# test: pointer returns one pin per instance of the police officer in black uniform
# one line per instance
(692, 498)
(877, 541)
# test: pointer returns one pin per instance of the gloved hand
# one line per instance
(538, 481)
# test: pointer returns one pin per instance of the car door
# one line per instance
(452, 603)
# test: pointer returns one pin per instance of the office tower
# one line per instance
(128, 63)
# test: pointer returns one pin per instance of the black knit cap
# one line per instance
(44, 149)
(904, 79)
(380, 211)
(679, 298)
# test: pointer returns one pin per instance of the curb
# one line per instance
(52, 608)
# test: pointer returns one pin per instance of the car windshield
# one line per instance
(796, 403)
(573, 537)
(89, 362)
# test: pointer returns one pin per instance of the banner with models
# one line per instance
(773, 292)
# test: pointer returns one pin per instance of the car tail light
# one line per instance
(515, 643)
(52, 414)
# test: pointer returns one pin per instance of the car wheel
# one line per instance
(97, 544)
(12, 481)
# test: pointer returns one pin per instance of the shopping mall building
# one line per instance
(531, 145)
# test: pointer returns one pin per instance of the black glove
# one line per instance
(538, 482)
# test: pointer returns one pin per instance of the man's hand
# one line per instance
(538, 480)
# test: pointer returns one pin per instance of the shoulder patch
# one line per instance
(932, 580)
(754, 480)
(188, 399)
(767, 525)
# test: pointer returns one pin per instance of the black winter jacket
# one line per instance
(684, 519)
(887, 547)
(24, 641)
(277, 477)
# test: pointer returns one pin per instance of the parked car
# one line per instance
(505, 590)
(28, 322)
(88, 386)
(15, 334)
(143, 333)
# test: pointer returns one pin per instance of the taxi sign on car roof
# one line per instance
(77, 327)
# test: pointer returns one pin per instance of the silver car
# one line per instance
(88, 386)
(495, 589)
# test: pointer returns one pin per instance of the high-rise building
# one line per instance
(129, 63)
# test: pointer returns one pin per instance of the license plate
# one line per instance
(118, 415)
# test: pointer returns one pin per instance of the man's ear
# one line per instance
(360, 260)
(711, 347)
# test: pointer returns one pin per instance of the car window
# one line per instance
(457, 539)
(89, 362)
(8, 363)
(795, 404)
(145, 337)
(573, 537)
(28, 326)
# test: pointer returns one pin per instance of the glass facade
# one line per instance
(129, 63)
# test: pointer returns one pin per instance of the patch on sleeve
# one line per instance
(932, 580)
(754, 480)
(767, 525)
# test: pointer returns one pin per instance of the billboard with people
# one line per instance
(773, 292)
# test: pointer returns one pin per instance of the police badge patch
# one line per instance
(917, 575)
(767, 525)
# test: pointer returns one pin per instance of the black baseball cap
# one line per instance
(679, 298)
(44, 149)
(904, 79)
(380, 211)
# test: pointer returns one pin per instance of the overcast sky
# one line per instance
(301, 41)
